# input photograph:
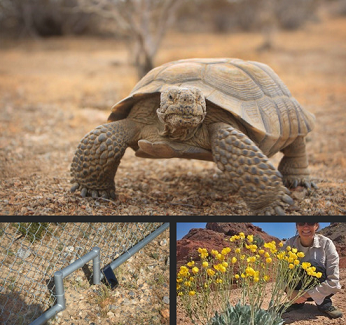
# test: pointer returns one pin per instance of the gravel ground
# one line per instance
(142, 296)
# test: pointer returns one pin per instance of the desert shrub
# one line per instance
(293, 14)
(206, 287)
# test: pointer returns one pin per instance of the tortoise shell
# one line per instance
(251, 91)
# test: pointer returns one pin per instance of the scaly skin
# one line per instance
(256, 179)
(98, 156)
(294, 165)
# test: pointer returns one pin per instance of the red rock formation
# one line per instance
(216, 236)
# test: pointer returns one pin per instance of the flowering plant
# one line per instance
(206, 288)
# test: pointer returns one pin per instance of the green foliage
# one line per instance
(258, 240)
(242, 315)
(33, 231)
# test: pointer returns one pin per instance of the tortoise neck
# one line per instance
(181, 134)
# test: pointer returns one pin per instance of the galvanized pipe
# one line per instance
(59, 276)
(94, 255)
(133, 250)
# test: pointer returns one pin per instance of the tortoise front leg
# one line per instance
(98, 156)
(294, 165)
(256, 179)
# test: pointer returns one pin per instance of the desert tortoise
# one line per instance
(237, 113)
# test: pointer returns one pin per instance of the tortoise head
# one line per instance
(181, 109)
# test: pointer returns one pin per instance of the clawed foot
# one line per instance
(293, 182)
(84, 191)
(277, 207)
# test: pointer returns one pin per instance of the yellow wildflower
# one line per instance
(251, 259)
(226, 250)
(250, 238)
(318, 275)
(305, 265)
(195, 270)
(250, 271)
(203, 252)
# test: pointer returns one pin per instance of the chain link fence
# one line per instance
(30, 254)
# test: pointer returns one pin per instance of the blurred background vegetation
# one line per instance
(142, 24)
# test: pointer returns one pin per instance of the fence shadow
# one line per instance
(15, 311)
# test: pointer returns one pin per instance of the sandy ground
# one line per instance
(307, 315)
(54, 91)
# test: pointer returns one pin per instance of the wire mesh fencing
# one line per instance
(30, 254)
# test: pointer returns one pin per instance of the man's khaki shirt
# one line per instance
(322, 253)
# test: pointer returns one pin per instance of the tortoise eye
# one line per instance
(170, 97)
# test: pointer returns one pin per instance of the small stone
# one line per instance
(165, 300)
(24, 253)
(164, 313)
(163, 242)
(69, 249)
(300, 194)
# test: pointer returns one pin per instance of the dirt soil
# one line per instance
(142, 296)
(309, 314)
(54, 91)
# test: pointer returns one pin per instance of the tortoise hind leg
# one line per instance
(294, 165)
(256, 179)
(98, 156)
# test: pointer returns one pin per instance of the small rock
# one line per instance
(163, 242)
(164, 313)
(165, 300)
(70, 249)
(24, 253)
(299, 193)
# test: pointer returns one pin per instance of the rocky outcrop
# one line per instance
(234, 228)
(336, 231)
(215, 236)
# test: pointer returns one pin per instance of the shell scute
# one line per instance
(232, 81)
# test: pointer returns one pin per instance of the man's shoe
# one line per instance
(332, 312)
